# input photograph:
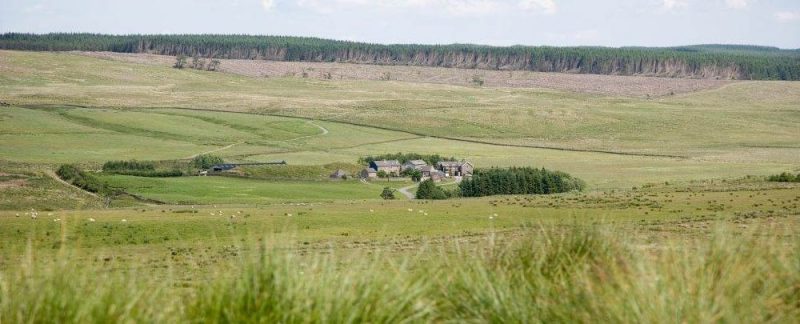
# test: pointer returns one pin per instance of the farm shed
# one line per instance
(369, 173)
(414, 165)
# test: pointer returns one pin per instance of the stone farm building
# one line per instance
(369, 173)
(388, 166)
(414, 165)
(455, 168)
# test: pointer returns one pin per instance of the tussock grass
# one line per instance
(558, 274)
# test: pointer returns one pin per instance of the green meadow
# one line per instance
(677, 221)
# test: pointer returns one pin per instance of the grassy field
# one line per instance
(489, 254)
(678, 221)
(753, 120)
(229, 190)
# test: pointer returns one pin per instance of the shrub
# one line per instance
(388, 193)
(205, 161)
(429, 190)
(81, 179)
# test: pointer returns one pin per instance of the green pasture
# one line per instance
(751, 119)
(230, 190)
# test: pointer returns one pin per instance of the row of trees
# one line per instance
(140, 169)
(198, 63)
(512, 181)
(784, 177)
(431, 159)
(742, 62)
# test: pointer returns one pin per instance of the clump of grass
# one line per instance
(586, 276)
(66, 292)
(278, 289)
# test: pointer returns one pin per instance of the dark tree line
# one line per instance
(723, 61)
(139, 169)
(784, 177)
(488, 182)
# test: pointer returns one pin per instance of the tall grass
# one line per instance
(553, 275)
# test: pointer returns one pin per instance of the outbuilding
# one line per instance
(369, 173)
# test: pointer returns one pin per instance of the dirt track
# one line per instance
(633, 86)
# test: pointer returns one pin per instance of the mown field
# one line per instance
(677, 221)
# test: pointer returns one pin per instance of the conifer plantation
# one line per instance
(701, 61)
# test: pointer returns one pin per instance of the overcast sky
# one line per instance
(493, 22)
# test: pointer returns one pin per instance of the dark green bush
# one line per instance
(429, 190)
(205, 161)
(81, 179)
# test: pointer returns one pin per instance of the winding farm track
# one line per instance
(464, 140)
(405, 191)
(311, 122)
(543, 147)
(214, 150)
(55, 177)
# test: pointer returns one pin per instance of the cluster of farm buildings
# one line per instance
(441, 170)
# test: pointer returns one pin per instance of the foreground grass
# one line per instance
(551, 274)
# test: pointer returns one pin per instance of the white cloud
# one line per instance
(737, 4)
(449, 7)
(268, 4)
(546, 6)
(675, 4)
(588, 36)
(787, 16)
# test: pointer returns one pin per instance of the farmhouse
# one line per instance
(388, 166)
(414, 165)
(455, 168)
(369, 173)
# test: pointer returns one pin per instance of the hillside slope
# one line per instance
(708, 61)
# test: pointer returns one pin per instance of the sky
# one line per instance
(492, 22)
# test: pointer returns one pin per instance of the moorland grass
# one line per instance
(738, 117)
(544, 275)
